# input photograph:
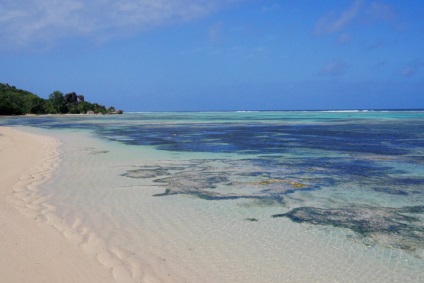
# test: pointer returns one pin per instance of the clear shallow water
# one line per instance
(256, 197)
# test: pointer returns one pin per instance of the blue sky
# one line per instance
(166, 55)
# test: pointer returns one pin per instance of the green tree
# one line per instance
(73, 109)
(99, 108)
(10, 104)
(57, 103)
(33, 104)
(84, 106)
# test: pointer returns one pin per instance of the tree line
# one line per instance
(14, 101)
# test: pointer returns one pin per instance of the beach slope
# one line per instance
(31, 250)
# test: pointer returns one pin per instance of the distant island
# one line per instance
(14, 101)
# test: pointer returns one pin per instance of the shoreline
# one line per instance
(34, 245)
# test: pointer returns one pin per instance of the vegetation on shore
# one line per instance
(14, 101)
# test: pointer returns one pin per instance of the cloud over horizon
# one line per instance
(26, 22)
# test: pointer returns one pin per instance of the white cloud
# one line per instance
(344, 38)
(215, 32)
(358, 12)
(412, 68)
(336, 22)
(381, 11)
(23, 22)
(333, 68)
(271, 8)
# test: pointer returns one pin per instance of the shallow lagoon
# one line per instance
(247, 196)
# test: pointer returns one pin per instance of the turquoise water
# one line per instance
(228, 196)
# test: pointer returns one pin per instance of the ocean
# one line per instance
(248, 196)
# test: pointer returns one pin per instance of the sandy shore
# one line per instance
(31, 248)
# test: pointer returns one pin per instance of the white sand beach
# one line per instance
(32, 250)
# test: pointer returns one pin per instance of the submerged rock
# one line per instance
(401, 230)
(192, 181)
(145, 173)
(221, 180)
(295, 184)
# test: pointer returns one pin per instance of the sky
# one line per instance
(211, 55)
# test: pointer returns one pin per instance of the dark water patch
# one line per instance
(193, 181)
(400, 226)
(205, 195)
(145, 173)
(393, 184)
(95, 152)
(397, 137)
(336, 166)
(253, 174)
(411, 181)
(391, 191)
(260, 138)
(167, 192)
(354, 173)
(217, 196)
(264, 202)
(414, 159)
